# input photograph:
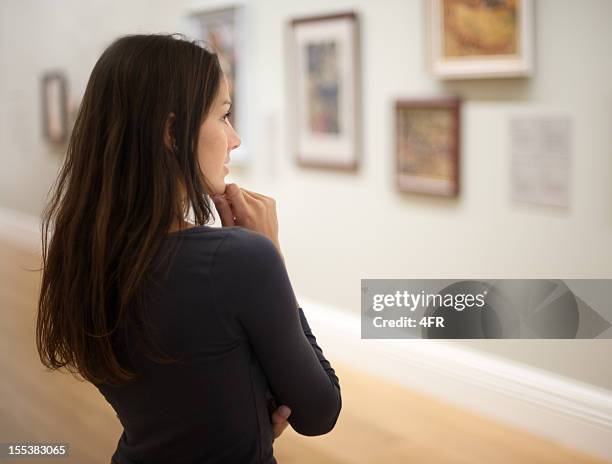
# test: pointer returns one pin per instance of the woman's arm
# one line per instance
(252, 285)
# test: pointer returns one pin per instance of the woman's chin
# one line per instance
(219, 187)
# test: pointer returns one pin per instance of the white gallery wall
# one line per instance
(337, 228)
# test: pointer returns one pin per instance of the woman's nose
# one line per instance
(235, 139)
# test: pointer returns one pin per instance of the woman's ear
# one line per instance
(169, 140)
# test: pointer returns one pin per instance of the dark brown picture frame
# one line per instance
(54, 107)
(411, 147)
(303, 157)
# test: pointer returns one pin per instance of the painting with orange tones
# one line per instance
(480, 27)
(481, 38)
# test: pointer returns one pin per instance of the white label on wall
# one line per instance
(540, 150)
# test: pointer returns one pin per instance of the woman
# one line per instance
(192, 333)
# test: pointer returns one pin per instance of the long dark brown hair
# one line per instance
(119, 192)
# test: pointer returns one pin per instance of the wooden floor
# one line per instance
(380, 422)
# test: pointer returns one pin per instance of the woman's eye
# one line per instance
(227, 115)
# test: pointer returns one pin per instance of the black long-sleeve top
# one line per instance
(227, 306)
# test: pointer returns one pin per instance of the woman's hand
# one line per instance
(241, 207)
(279, 420)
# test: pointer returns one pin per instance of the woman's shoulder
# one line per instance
(245, 245)
(246, 263)
(232, 242)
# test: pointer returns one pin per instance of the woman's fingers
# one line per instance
(238, 203)
(279, 420)
(260, 196)
(279, 429)
(224, 210)
(250, 210)
(235, 204)
(264, 203)
(254, 201)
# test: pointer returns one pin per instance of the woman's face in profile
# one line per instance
(217, 138)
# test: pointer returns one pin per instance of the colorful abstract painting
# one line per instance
(427, 146)
(323, 83)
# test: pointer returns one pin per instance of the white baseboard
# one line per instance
(572, 413)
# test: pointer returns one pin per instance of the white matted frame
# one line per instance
(488, 63)
(325, 91)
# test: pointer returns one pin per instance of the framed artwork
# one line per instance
(325, 77)
(480, 38)
(54, 96)
(222, 31)
(427, 142)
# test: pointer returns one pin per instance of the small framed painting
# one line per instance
(480, 38)
(221, 29)
(325, 65)
(427, 143)
(54, 96)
